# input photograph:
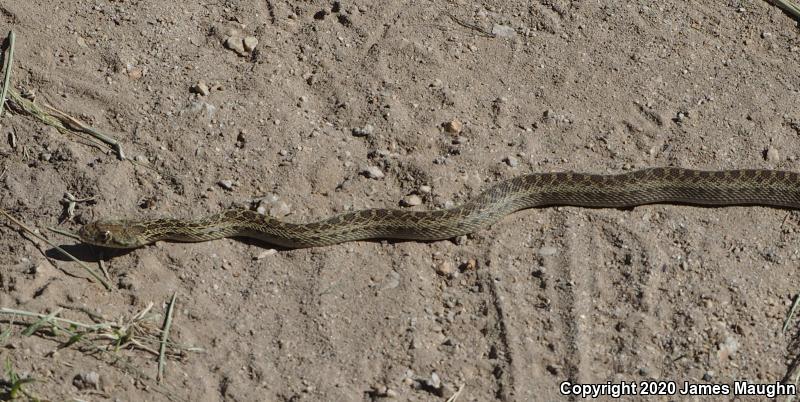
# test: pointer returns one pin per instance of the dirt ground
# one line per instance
(345, 105)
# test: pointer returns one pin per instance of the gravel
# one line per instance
(373, 172)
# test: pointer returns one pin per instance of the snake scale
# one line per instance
(654, 185)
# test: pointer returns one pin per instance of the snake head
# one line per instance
(113, 234)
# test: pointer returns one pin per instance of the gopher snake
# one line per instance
(654, 185)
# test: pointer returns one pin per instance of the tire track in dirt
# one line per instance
(613, 294)
(530, 308)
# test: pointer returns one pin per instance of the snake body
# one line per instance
(654, 185)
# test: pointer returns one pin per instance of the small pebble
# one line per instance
(453, 126)
(425, 189)
(226, 184)
(434, 382)
(373, 172)
(200, 88)
(445, 268)
(772, 155)
(380, 389)
(411, 200)
(503, 31)
(250, 43)
(727, 348)
(265, 254)
(135, 73)
(511, 161)
(235, 43)
(469, 265)
(365, 131)
(87, 380)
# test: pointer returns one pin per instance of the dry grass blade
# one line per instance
(76, 125)
(53, 117)
(53, 318)
(7, 71)
(61, 250)
(165, 337)
(792, 310)
(106, 338)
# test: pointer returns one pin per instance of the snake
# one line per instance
(766, 187)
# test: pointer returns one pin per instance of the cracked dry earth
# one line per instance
(355, 104)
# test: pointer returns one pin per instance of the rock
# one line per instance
(503, 31)
(373, 172)
(265, 254)
(87, 380)
(235, 43)
(425, 189)
(250, 43)
(469, 265)
(772, 155)
(445, 268)
(511, 161)
(453, 126)
(365, 131)
(727, 348)
(135, 72)
(226, 184)
(411, 200)
(434, 382)
(200, 88)
(380, 390)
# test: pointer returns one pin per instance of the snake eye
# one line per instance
(106, 235)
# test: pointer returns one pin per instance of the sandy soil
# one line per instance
(658, 292)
